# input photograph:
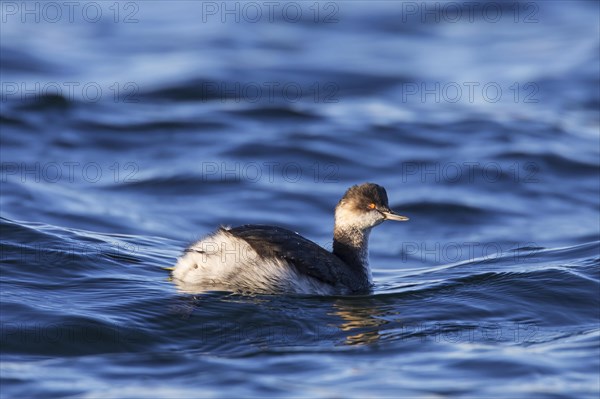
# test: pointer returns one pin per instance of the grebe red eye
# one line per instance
(371, 206)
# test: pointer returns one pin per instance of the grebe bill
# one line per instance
(269, 259)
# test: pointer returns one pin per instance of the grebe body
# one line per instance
(269, 259)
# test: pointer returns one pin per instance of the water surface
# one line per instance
(128, 136)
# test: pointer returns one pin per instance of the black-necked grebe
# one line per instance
(269, 259)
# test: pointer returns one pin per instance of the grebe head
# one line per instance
(363, 207)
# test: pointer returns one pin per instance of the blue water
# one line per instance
(129, 130)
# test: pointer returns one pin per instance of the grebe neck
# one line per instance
(351, 245)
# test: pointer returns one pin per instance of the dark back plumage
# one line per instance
(306, 256)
